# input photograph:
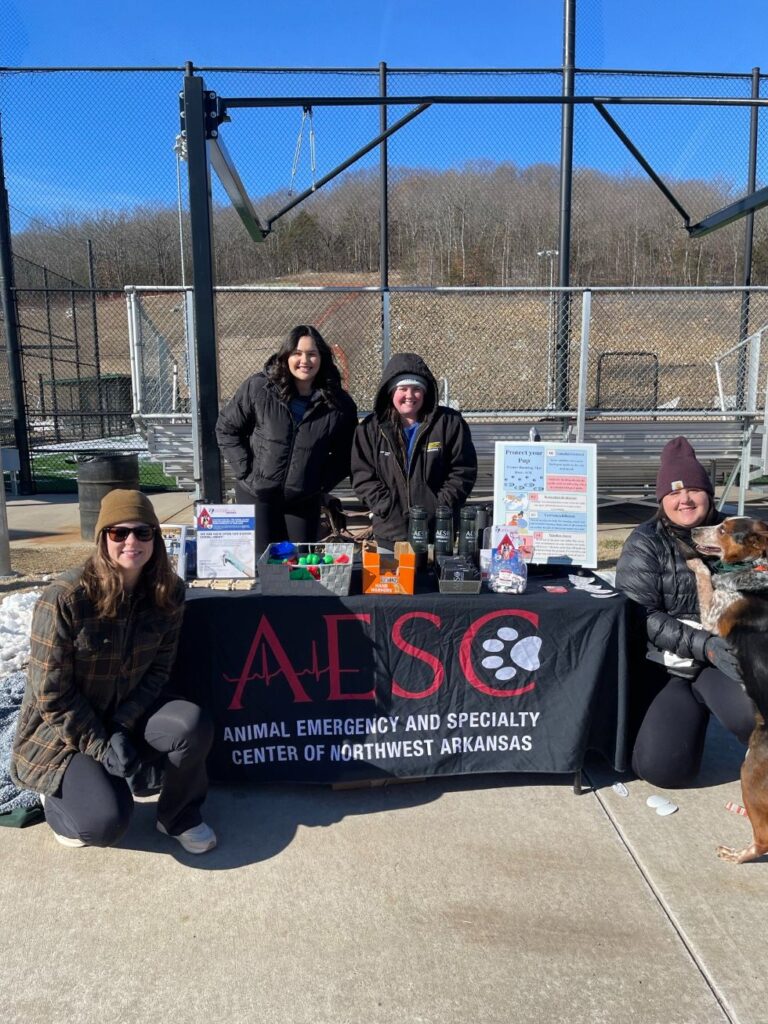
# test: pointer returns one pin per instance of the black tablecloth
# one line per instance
(321, 689)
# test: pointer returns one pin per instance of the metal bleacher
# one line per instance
(627, 452)
(619, 406)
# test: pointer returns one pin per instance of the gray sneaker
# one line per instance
(64, 840)
(199, 839)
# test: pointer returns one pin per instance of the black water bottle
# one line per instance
(468, 531)
(418, 536)
(443, 531)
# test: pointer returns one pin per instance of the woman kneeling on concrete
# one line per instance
(103, 642)
(690, 673)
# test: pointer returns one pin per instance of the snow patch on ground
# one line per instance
(15, 624)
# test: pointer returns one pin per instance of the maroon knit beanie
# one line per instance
(679, 468)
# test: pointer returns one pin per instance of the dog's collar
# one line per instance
(721, 566)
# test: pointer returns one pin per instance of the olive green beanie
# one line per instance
(122, 506)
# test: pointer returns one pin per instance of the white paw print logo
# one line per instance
(524, 653)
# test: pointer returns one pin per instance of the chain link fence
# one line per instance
(660, 348)
(500, 354)
(473, 201)
(473, 184)
(76, 368)
(498, 349)
(613, 355)
(618, 210)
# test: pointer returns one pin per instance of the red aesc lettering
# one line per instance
(416, 652)
(266, 633)
(335, 671)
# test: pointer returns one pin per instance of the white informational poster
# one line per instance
(226, 543)
(548, 493)
(175, 540)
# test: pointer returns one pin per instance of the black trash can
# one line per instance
(97, 477)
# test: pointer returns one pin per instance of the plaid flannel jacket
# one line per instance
(87, 676)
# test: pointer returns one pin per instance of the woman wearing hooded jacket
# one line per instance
(652, 570)
(287, 435)
(410, 451)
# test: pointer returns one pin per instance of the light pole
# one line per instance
(550, 255)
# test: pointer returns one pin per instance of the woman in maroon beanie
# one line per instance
(690, 673)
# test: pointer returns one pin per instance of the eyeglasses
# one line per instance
(120, 533)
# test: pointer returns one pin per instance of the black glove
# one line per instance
(121, 757)
(334, 511)
(723, 657)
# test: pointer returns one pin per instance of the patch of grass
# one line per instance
(57, 474)
(608, 552)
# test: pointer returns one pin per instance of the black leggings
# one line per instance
(96, 807)
(670, 742)
(277, 519)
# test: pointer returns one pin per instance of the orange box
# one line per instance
(389, 574)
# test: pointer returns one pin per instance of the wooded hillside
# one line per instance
(481, 225)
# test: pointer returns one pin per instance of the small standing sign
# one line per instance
(548, 493)
(226, 543)
(175, 540)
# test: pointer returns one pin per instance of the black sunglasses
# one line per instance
(120, 533)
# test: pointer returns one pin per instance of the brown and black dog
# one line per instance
(737, 609)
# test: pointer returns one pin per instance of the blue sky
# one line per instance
(655, 34)
(83, 143)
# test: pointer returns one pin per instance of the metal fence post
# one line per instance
(189, 336)
(566, 190)
(384, 184)
(752, 352)
(749, 226)
(201, 225)
(386, 329)
(95, 329)
(51, 361)
(386, 338)
(134, 349)
(78, 367)
(12, 345)
(5, 540)
(586, 323)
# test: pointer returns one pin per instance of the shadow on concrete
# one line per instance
(38, 534)
(10, 584)
(256, 823)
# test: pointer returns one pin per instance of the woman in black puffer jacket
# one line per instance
(410, 451)
(652, 570)
(287, 434)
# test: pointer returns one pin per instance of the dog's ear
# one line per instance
(759, 535)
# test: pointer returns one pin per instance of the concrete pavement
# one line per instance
(55, 518)
(475, 899)
(488, 899)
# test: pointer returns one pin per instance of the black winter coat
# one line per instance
(652, 571)
(271, 454)
(443, 466)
